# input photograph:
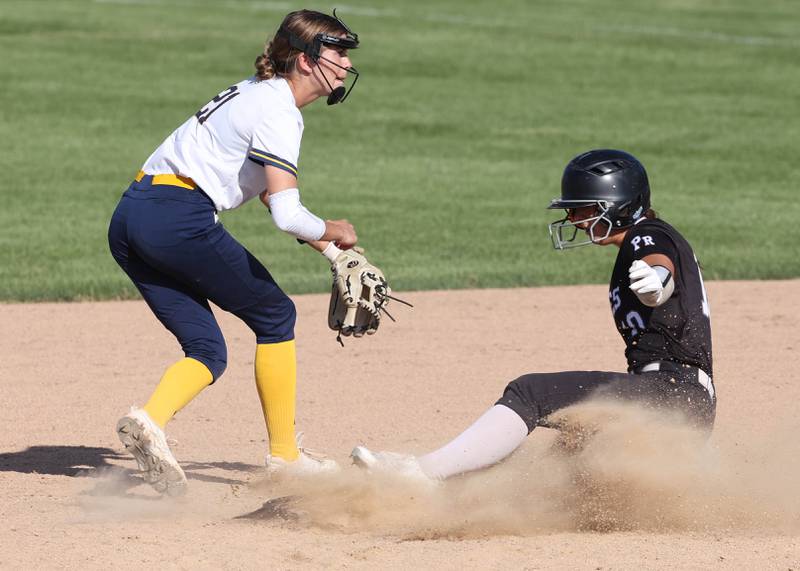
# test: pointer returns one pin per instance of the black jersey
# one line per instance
(680, 329)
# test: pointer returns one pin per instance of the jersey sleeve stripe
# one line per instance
(264, 158)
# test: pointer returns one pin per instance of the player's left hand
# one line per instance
(359, 295)
(645, 283)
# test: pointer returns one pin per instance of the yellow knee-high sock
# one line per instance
(180, 384)
(276, 382)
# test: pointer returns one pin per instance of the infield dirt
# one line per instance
(644, 491)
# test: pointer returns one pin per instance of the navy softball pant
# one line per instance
(168, 240)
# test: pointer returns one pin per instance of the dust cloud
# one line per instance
(611, 467)
(112, 498)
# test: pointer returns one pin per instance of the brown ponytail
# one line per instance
(264, 67)
(279, 57)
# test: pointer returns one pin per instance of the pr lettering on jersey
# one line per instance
(648, 241)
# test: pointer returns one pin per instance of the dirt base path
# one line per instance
(70, 497)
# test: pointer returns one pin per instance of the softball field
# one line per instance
(642, 493)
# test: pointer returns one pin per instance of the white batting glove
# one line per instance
(646, 283)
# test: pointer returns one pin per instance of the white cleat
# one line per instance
(404, 465)
(147, 443)
(309, 463)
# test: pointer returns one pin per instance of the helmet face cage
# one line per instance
(564, 232)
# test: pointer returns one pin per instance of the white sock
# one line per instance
(491, 438)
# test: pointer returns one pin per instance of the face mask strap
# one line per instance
(339, 94)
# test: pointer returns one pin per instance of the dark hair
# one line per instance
(651, 214)
(279, 57)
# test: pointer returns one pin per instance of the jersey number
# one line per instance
(634, 322)
(216, 103)
(613, 297)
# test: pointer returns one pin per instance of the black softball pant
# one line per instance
(536, 396)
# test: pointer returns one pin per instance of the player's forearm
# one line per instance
(319, 245)
(292, 217)
(341, 232)
(327, 249)
(337, 233)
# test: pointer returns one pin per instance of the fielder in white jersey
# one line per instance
(227, 143)
(166, 236)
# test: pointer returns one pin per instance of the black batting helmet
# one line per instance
(613, 181)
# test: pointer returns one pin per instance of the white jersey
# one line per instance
(224, 146)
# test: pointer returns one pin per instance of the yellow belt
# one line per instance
(169, 180)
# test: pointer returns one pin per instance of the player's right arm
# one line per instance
(282, 199)
(652, 273)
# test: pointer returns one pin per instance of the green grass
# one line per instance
(448, 150)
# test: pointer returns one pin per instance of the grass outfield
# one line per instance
(447, 151)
